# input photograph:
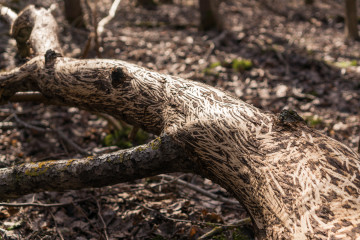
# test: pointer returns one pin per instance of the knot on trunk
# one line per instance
(50, 57)
(119, 76)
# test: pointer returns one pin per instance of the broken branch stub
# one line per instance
(35, 31)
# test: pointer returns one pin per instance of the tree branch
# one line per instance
(34, 24)
(8, 14)
(107, 19)
(159, 156)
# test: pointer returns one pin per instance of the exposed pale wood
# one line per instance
(31, 25)
(8, 14)
(295, 182)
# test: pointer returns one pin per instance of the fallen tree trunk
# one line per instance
(295, 182)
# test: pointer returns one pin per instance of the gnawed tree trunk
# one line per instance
(295, 182)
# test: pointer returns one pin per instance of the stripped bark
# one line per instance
(295, 182)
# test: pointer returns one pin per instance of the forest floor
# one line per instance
(274, 54)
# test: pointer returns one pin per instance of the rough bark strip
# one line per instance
(159, 156)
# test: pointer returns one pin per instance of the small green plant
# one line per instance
(120, 138)
(214, 65)
(239, 65)
(313, 121)
(220, 237)
(346, 64)
(211, 69)
(242, 233)
(314, 93)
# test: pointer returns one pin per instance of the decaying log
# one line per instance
(295, 182)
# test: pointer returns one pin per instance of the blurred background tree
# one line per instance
(209, 15)
(351, 21)
(73, 12)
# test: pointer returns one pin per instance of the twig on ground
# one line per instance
(200, 190)
(26, 125)
(28, 96)
(102, 219)
(133, 133)
(102, 150)
(86, 50)
(58, 132)
(71, 143)
(56, 226)
(113, 121)
(218, 229)
(7, 125)
(81, 210)
(240, 223)
(33, 204)
(31, 96)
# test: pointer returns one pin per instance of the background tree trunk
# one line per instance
(209, 15)
(149, 4)
(74, 13)
(351, 21)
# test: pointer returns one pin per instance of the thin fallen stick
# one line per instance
(71, 143)
(81, 210)
(133, 133)
(58, 132)
(240, 223)
(56, 226)
(218, 229)
(200, 190)
(33, 204)
(107, 19)
(113, 121)
(102, 219)
(39, 97)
